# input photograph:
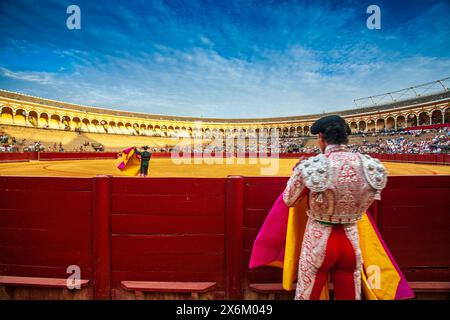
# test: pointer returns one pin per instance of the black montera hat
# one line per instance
(329, 121)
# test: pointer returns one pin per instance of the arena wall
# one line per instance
(430, 158)
(16, 156)
(22, 110)
(58, 156)
(180, 229)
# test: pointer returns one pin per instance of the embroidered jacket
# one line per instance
(341, 184)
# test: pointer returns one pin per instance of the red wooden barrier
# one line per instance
(101, 230)
(167, 230)
(234, 238)
(173, 229)
(246, 155)
(415, 223)
(45, 226)
(14, 156)
(48, 156)
(260, 195)
(412, 217)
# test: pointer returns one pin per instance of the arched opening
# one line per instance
(401, 122)
(354, 126)
(103, 126)
(306, 130)
(7, 115)
(150, 130)
(112, 127)
(43, 120)
(143, 130)
(157, 130)
(136, 130)
(121, 128)
(75, 123)
(33, 118)
(285, 132)
(447, 115)
(371, 125)
(55, 122)
(20, 117)
(170, 131)
(95, 125)
(85, 125)
(411, 120)
(65, 122)
(164, 131)
(436, 117)
(362, 126)
(299, 131)
(129, 128)
(381, 124)
(424, 119)
(292, 132)
(390, 123)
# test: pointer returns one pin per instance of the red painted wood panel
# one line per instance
(45, 226)
(163, 261)
(15, 156)
(168, 230)
(254, 218)
(168, 186)
(167, 243)
(48, 156)
(201, 203)
(262, 197)
(39, 271)
(415, 224)
(163, 224)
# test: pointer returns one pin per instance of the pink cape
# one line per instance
(271, 240)
(121, 166)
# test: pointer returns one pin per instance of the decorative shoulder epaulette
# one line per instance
(315, 172)
(375, 173)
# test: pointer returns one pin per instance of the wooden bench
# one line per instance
(37, 282)
(194, 288)
(271, 289)
(429, 286)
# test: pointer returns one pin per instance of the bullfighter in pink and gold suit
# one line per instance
(340, 185)
(320, 226)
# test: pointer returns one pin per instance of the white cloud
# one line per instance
(200, 82)
(44, 78)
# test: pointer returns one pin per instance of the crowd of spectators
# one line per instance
(388, 141)
(409, 142)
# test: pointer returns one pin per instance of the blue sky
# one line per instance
(221, 58)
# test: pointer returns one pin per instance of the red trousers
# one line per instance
(340, 262)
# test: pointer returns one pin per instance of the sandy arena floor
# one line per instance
(167, 168)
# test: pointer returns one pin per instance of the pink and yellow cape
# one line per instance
(130, 164)
(279, 241)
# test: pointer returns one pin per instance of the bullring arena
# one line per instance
(166, 168)
(187, 230)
